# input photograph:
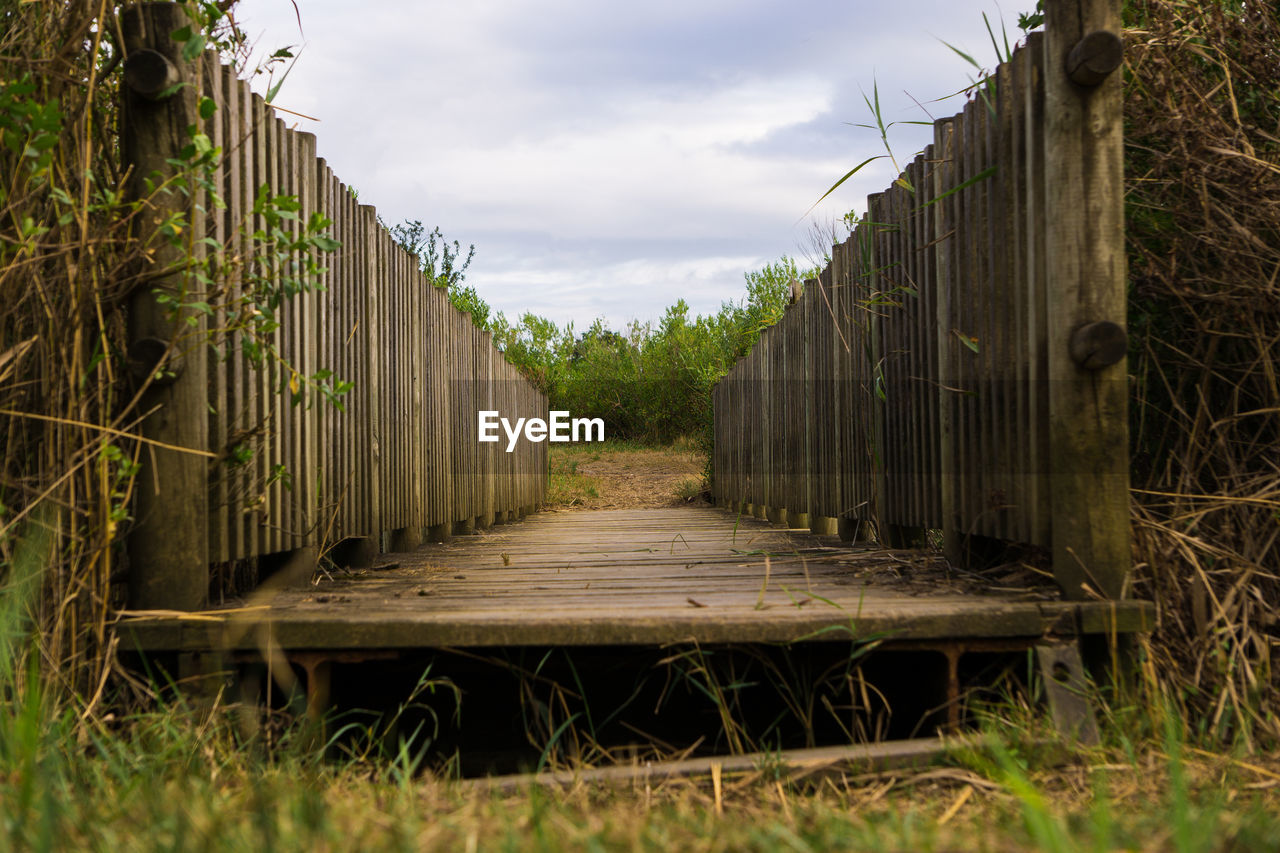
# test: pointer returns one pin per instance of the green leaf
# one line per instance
(171, 90)
(192, 48)
(847, 175)
(967, 340)
(981, 176)
(966, 57)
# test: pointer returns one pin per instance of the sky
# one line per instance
(609, 158)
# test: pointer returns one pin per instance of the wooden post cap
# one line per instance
(1094, 346)
(149, 73)
(1094, 58)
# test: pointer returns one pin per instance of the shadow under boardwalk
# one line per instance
(634, 577)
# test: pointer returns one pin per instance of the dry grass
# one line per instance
(624, 475)
(1203, 218)
(1203, 223)
(1119, 804)
(1151, 800)
(67, 266)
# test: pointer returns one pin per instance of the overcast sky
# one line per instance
(608, 158)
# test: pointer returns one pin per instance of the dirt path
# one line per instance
(610, 477)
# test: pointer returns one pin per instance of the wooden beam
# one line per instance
(791, 765)
(1088, 408)
(169, 543)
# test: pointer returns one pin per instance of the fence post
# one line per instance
(169, 544)
(943, 177)
(875, 286)
(1088, 394)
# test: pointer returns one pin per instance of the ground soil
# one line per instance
(632, 478)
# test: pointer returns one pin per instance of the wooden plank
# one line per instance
(791, 765)
(309, 336)
(268, 409)
(398, 371)
(810, 333)
(1013, 102)
(838, 354)
(926, 332)
(237, 399)
(251, 384)
(278, 506)
(908, 420)
(1036, 277)
(291, 432)
(325, 337)
(1088, 427)
(346, 338)
(465, 594)
(319, 345)
(358, 432)
(982, 444)
(891, 440)
(1000, 494)
(374, 357)
(917, 413)
(875, 410)
(221, 414)
(946, 243)
(964, 324)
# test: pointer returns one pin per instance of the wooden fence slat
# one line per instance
(945, 242)
(925, 379)
(964, 322)
(220, 413)
(232, 474)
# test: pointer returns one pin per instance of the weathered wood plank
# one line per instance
(1036, 277)
(220, 410)
(946, 252)
(169, 545)
(642, 590)
(1084, 246)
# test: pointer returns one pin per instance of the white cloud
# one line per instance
(608, 158)
(633, 288)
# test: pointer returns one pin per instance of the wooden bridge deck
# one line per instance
(632, 577)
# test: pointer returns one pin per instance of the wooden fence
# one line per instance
(260, 475)
(959, 365)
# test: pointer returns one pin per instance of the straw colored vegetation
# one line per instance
(91, 757)
(1202, 119)
(192, 785)
(619, 474)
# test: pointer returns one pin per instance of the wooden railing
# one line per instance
(257, 474)
(959, 366)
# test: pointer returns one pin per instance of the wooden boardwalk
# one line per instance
(633, 577)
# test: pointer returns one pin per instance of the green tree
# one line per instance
(443, 263)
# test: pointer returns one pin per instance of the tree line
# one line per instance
(650, 381)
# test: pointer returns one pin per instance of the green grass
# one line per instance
(179, 777)
(172, 779)
(568, 487)
(690, 489)
(182, 777)
(565, 486)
